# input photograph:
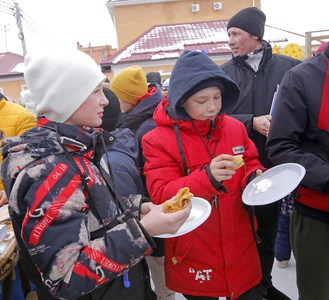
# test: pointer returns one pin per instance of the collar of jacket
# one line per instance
(77, 139)
(267, 54)
(172, 114)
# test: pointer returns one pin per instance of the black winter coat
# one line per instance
(257, 90)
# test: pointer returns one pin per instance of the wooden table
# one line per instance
(8, 261)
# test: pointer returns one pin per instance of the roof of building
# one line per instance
(162, 42)
(11, 65)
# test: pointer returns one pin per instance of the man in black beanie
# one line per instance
(258, 73)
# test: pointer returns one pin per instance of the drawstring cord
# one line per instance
(208, 135)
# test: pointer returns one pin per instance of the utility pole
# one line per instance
(20, 27)
(5, 30)
(90, 50)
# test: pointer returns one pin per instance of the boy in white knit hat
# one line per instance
(77, 236)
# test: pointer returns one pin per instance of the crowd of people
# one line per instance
(93, 161)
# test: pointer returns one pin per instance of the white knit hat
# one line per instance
(59, 82)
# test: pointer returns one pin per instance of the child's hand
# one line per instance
(222, 167)
(157, 222)
(3, 198)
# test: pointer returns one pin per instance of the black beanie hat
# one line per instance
(250, 19)
(112, 111)
(153, 77)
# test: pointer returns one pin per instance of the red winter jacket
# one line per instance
(219, 258)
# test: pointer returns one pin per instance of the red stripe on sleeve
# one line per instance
(83, 271)
(104, 261)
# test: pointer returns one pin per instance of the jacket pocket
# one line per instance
(178, 248)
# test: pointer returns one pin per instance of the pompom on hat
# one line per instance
(59, 82)
(130, 84)
(250, 19)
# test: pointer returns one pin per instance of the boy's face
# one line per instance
(205, 104)
(91, 111)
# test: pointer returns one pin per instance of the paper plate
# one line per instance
(4, 213)
(199, 213)
(274, 184)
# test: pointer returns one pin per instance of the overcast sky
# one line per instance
(67, 22)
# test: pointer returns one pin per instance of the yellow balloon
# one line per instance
(276, 49)
(293, 50)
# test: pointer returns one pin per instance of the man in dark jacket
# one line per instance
(300, 134)
(258, 73)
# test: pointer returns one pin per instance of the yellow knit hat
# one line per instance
(129, 84)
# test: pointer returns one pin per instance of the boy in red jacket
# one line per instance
(194, 145)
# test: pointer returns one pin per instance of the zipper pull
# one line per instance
(126, 281)
(214, 201)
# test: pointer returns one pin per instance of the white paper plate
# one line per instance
(199, 213)
(4, 213)
(274, 184)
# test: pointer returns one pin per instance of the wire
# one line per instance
(35, 28)
(6, 8)
(26, 20)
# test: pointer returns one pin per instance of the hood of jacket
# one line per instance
(125, 142)
(164, 116)
(192, 68)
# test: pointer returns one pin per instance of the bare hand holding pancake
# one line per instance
(182, 198)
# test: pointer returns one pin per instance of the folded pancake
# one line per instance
(182, 198)
(238, 160)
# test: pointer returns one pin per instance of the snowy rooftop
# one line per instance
(163, 42)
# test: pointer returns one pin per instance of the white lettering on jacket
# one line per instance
(201, 275)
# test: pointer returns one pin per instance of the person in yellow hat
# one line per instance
(14, 120)
(137, 102)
